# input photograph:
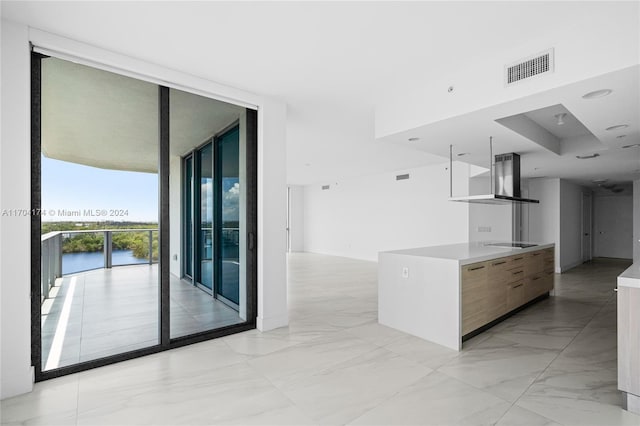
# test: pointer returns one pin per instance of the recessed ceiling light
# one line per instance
(617, 127)
(584, 157)
(307, 164)
(413, 139)
(560, 117)
(632, 145)
(597, 94)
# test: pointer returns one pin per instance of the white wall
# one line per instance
(15, 187)
(613, 226)
(419, 100)
(360, 217)
(557, 219)
(570, 225)
(15, 193)
(272, 216)
(636, 221)
(544, 218)
(296, 218)
(488, 221)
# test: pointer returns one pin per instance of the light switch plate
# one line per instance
(405, 272)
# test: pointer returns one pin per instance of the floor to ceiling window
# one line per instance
(146, 200)
(207, 138)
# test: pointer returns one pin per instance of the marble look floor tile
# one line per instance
(256, 343)
(422, 351)
(207, 397)
(518, 416)
(571, 379)
(62, 418)
(437, 400)
(55, 399)
(348, 389)
(576, 412)
(377, 334)
(310, 356)
(595, 346)
(500, 367)
(287, 416)
(538, 334)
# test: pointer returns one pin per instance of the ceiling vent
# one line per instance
(403, 177)
(325, 187)
(528, 67)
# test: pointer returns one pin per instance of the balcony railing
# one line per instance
(52, 245)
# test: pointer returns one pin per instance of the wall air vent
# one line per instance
(403, 177)
(325, 187)
(528, 67)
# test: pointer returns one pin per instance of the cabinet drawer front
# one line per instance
(474, 271)
(517, 261)
(515, 295)
(534, 286)
(533, 263)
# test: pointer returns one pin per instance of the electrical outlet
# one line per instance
(405, 272)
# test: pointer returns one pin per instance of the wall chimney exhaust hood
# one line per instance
(505, 188)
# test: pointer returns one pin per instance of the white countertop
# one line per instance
(466, 253)
(630, 277)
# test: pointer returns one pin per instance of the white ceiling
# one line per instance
(334, 63)
(106, 120)
(470, 132)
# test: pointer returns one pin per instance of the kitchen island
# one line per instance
(629, 337)
(448, 293)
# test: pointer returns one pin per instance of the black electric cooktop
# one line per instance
(512, 245)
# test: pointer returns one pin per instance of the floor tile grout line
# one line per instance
(280, 391)
(554, 359)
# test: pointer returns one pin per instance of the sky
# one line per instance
(111, 195)
(114, 195)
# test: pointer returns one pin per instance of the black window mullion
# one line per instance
(163, 215)
(36, 204)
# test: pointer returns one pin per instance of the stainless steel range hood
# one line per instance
(505, 189)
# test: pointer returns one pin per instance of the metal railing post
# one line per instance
(150, 247)
(44, 273)
(108, 250)
(59, 255)
(52, 263)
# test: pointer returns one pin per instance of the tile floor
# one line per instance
(552, 364)
(110, 311)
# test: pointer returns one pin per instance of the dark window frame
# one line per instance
(165, 341)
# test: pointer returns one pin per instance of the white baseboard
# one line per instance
(266, 324)
(18, 387)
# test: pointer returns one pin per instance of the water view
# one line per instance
(84, 261)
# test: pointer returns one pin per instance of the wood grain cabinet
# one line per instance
(629, 345)
(496, 287)
(474, 296)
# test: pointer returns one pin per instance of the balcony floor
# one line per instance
(108, 311)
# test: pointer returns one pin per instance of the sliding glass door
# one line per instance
(148, 201)
(229, 196)
(204, 229)
(187, 191)
(209, 290)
